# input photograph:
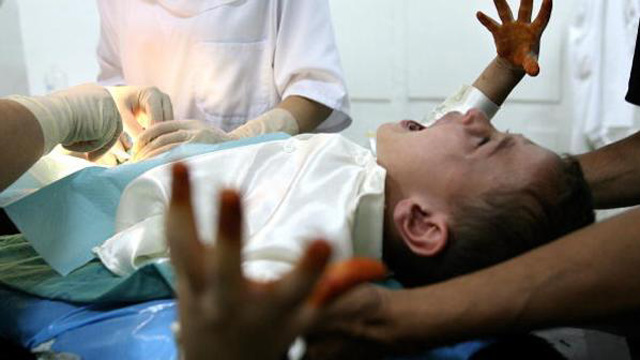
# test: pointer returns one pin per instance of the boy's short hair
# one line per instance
(502, 224)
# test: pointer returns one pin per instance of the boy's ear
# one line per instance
(423, 231)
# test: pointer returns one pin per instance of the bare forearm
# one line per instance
(498, 80)
(589, 276)
(613, 173)
(309, 114)
(22, 141)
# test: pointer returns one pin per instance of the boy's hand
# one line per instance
(226, 316)
(518, 41)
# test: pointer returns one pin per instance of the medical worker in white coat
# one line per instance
(233, 68)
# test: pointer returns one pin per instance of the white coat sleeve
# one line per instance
(306, 59)
(111, 73)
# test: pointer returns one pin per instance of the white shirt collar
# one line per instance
(369, 217)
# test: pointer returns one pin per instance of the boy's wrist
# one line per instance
(508, 68)
(498, 79)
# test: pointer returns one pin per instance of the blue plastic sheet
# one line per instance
(97, 332)
(133, 332)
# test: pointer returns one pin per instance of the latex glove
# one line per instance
(83, 119)
(141, 107)
(163, 137)
(116, 155)
(276, 120)
(221, 312)
(518, 41)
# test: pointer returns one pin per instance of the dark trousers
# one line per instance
(633, 96)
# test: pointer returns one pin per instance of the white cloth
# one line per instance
(294, 191)
(225, 61)
(467, 98)
(601, 47)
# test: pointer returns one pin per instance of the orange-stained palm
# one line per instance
(518, 41)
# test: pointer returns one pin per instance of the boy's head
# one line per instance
(462, 196)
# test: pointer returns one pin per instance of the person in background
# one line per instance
(233, 69)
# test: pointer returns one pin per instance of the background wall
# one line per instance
(403, 57)
(54, 41)
(13, 72)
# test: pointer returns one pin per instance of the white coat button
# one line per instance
(289, 148)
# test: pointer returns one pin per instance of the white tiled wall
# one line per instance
(13, 73)
(58, 39)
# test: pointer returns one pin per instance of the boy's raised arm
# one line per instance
(517, 43)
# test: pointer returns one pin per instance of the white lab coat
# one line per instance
(225, 61)
(601, 46)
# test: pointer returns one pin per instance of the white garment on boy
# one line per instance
(294, 192)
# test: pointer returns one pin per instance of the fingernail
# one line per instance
(317, 255)
(180, 186)
(230, 214)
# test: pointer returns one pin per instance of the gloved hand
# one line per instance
(518, 41)
(276, 120)
(163, 137)
(141, 107)
(83, 119)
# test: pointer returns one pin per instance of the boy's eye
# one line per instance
(414, 126)
(484, 141)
